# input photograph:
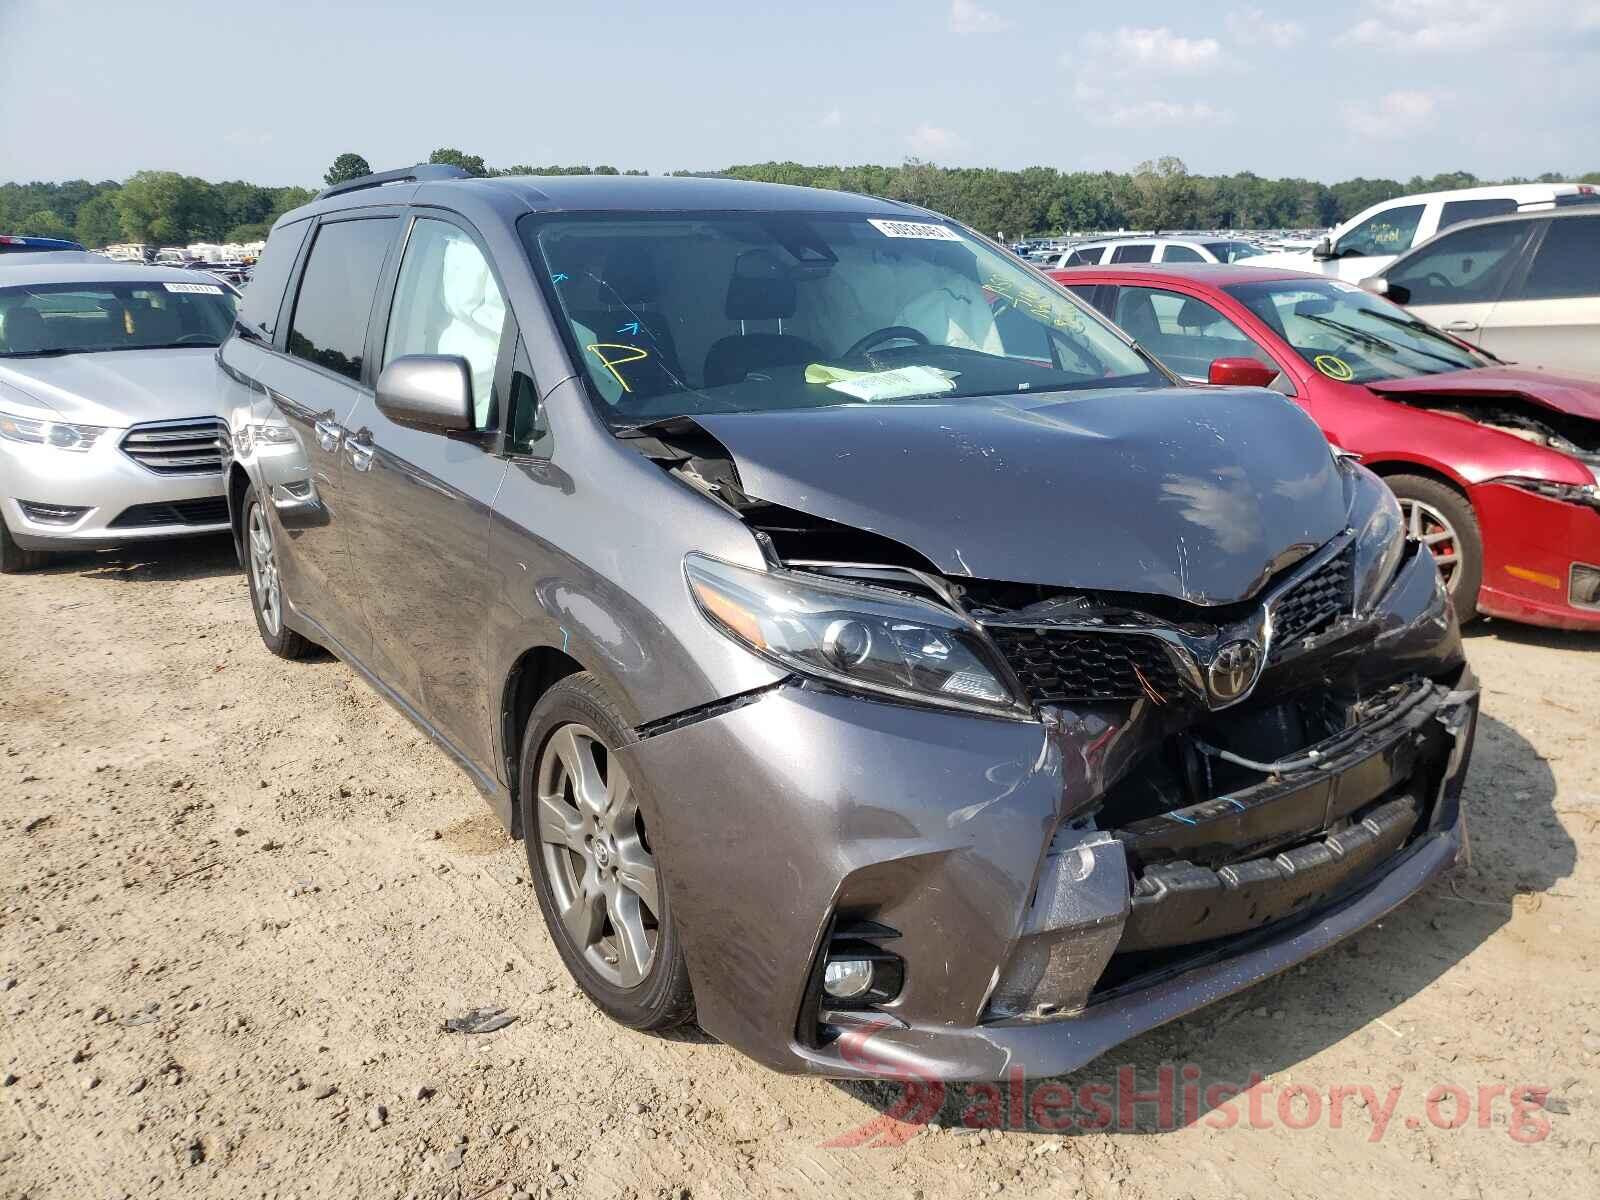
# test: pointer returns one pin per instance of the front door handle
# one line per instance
(360, 449)
(1459, 326)
(328, 433)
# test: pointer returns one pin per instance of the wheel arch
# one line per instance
(1384, 468)
(534, 673)
(238, 481)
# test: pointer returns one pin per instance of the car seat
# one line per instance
(22, 331)
(760, 290)
(629, 288)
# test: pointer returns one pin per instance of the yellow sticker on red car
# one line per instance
(1334, 367)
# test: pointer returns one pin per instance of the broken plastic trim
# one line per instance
(1326, 753)
(704, 712)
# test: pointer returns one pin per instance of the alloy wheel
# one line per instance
(597, 856)
(264, 570)
(1433, 529)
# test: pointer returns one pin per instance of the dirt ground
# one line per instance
(238, 898)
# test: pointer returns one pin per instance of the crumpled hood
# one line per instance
(119, 388)
(1194, 494)
(1564, 391)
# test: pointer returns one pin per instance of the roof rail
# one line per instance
(416, 174)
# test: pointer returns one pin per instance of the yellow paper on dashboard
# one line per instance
(898, 384)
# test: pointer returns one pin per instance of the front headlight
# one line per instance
(1381, 542)
(1572, 493)
(58, 434)
(863, 638)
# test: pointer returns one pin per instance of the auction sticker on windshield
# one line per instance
(926, 230)
(194, 289)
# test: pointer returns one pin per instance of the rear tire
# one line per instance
(14, 559)
(266, 590)
(594, 870)
(1439, 514)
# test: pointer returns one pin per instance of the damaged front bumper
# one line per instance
(1029, 928)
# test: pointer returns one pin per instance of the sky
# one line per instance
(272, 91)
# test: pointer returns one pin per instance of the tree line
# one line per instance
(169, 208)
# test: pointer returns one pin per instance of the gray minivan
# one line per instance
(884, 661)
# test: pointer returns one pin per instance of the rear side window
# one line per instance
(1469, 266)
(1181, 254)
(1567, 263)
(1089, 257)
(264, 297)
(329, 326)
(1132, 254)
(1456, 211)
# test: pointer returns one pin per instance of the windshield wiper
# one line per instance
(1361, 335)
(52, 353)
(1419, 327)
(171, 346)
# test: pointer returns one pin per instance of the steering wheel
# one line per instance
(1434, 279)
(888, 333)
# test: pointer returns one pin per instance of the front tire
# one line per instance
(266, 589)
(1442, 519)
(14, 559)
(593, 866)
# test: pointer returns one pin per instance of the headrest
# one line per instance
(1195, 314)
(24, 330)
(630, 278)
(760, 289)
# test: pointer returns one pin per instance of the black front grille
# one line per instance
(210, 510)
(177, 447)
(1070, 664)
(50, 514)
(1314, 605)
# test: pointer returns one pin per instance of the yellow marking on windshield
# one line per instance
(634, 354)
(1334, 367)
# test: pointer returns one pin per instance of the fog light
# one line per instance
(847, 978)
(1585, 591)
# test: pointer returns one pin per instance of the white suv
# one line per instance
(1371, 240)
(1524, 287)
(1158, 250)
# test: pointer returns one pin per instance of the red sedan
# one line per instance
(1497, 466)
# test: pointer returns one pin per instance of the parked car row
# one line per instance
(1065, 696)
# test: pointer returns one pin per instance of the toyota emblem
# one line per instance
(1233, 671)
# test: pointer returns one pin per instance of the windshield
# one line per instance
(689, 314)
(1350, 335)
(1232, 252)
(71, 318)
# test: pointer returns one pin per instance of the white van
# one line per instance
(1371, 240)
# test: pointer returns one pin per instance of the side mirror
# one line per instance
(1241, 372)
(433, 391)
(1387, 288)
(1323, 250)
